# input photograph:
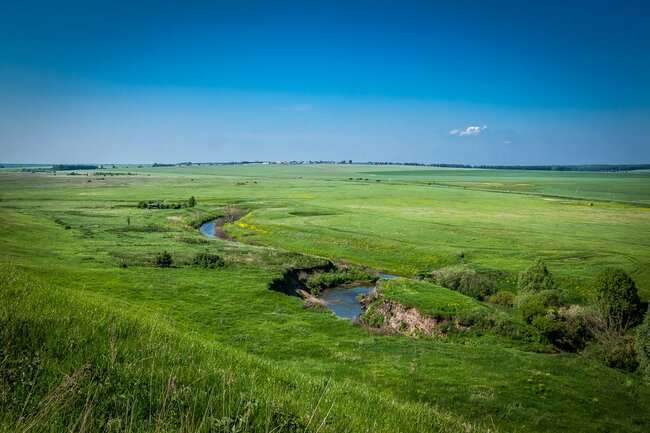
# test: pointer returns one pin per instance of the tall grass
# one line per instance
(73, 364)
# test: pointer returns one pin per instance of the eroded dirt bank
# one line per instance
(391, 317)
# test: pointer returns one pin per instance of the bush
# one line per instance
(207, 260)
(191, 202)
(536, 278)
(548, 326)
(615, 350)
(514, 330)
(577, 327)
(477, 319)
(618, 300)
(503, 297)
(498, 323)
(567, 328)
(163, 260)
(532, 305)
(613, 345)
(642, 345)
(465, 280)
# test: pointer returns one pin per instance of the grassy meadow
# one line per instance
(95, 338)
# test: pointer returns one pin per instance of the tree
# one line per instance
(191, 202)
(618, 299)
(536, 278)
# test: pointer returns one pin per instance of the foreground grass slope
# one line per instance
(75, 236)
(84, 365)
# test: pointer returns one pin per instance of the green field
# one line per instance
(76, 255)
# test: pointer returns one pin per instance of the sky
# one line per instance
(473, 82)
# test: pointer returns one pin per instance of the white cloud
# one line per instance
(470, 130)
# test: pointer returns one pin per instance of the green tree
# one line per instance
(618, 299)
(191, 202)
(536, 278)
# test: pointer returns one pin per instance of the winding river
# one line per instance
(214, 229)
(343, 301)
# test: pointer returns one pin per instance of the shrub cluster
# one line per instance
(208, 260)
(601, 331)
(619, 308)
(567, 328)
(615, 350)
(465, 280)
(160, 204)
(499, 323)
(503, 297)
(163, 260)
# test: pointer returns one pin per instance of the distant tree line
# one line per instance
(114, 173)
(581, 167)
(62, 167)
(556, 167)
(585, 167)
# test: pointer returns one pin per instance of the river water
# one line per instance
(345, 302)
(207, 229)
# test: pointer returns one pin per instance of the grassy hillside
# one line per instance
(84, 364)
(83, 252)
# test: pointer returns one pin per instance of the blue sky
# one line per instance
(494, 82)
